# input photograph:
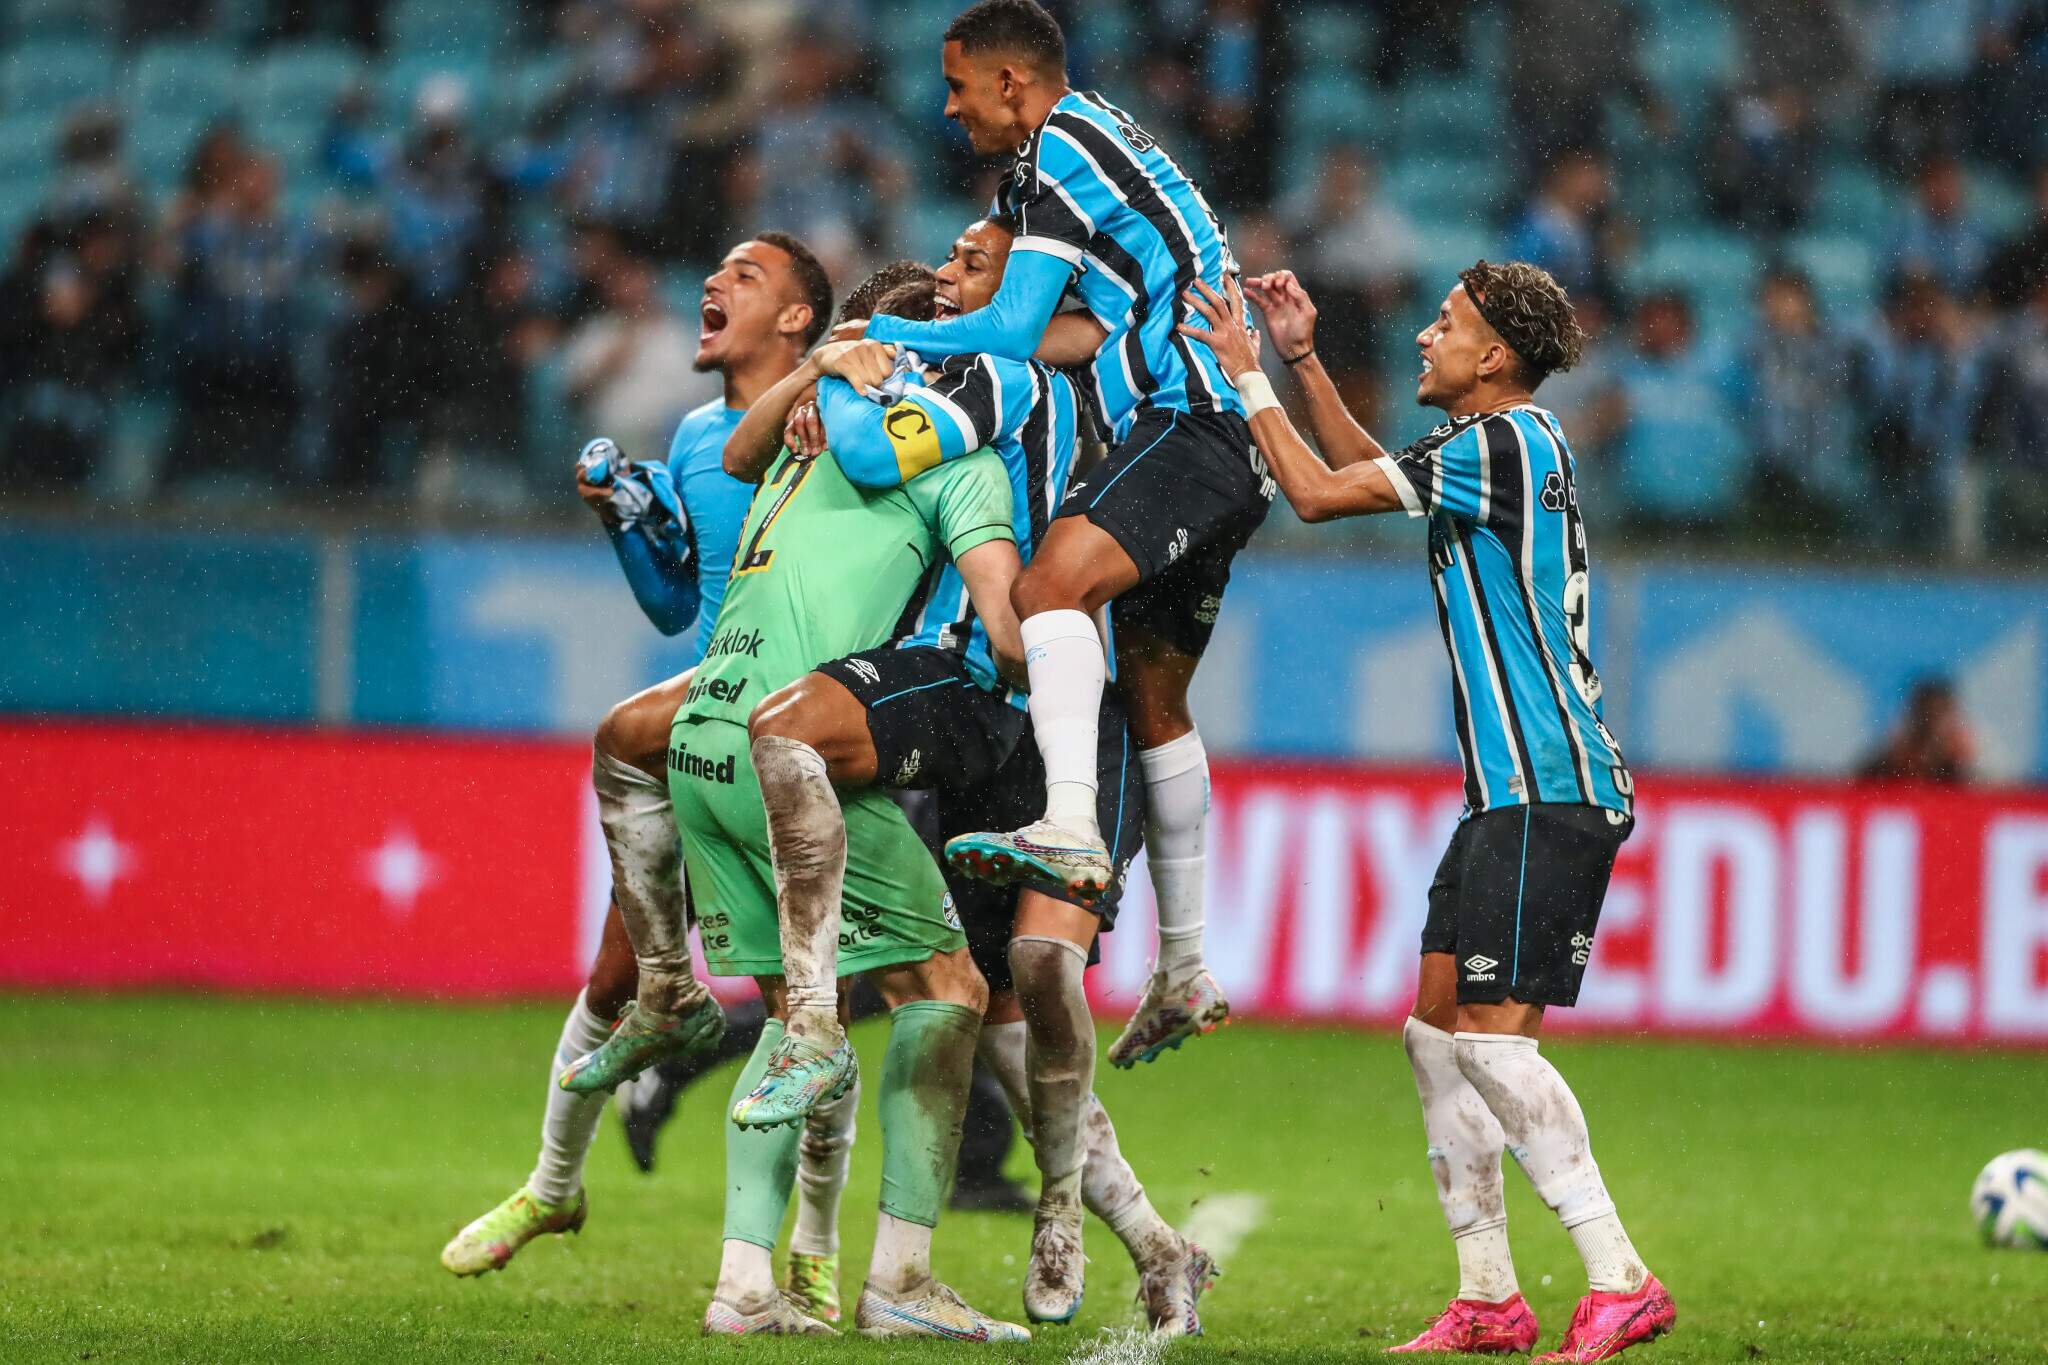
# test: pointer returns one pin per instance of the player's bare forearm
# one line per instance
(1313, 489)
(752, 446)
(988, 570)
(1344, 442)
(1071, 341)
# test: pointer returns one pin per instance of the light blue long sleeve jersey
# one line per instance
(1028, 413)
(678, 595)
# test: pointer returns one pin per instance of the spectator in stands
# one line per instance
(235, 332)
(1421, 38)
(1937, 234)
(1236, 54)
(2011, 74)
(212, 170)
(824, 162)
(1356, 253)
(1930, 743)
(497, 333)
(628, 369)
(1909, 383)
(377, 371)
(1920, 56)
(1585, 402)
(1566, 228)
(1565, 60)
(92, 180)
(74, 326)
(1794, 384)
(1677, 452)
(1764, 162)
(2022, 262)
(2009, 427)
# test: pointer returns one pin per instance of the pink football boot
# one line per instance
(1605, 1325)
(1474, 1328)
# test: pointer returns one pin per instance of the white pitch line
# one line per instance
(1220, 1223)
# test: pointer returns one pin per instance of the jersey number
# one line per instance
(752, 557)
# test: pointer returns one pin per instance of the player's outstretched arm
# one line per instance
(1291, 326)
(1011, 326)
(754, 442)
(1315, 491)
(880, 447)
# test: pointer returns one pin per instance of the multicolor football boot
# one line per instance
(491, 1241)
(1055, 1279)
(1041, 854)
(1473, 1327)
(801, 1076)
(1606, 1324)
(1169, 1014)
(814, 1284)
(638, 1041)
(933, 1311)
(1172, 1291)
(781, 1316)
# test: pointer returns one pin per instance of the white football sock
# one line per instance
(1465, 1142)
(903, 1256)
(746, 1274)
(1176, 846)
(570, 1120)
(823, 1159)
(1110, 1189)
(1059, 1056)
(647, 860)
(807, 843)
(1546, 1131)
(1063, 654)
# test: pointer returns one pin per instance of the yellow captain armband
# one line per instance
(913, 437)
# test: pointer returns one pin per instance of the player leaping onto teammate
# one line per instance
(1102, 207)
(1548, 798)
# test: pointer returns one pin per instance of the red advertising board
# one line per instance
(298, 861)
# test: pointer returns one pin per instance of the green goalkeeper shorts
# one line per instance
(895, 908)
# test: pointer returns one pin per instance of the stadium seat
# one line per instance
(301, 83)
(48, 18)
(54, 77)
(1444, 250)
(1426, 111)
(1843, 270)
(1330, 106)
(28, 146)
(160, 147)
(2000, 205)
(1689, 47)
(192, 80)
(1852, 199)
(1435, 188)
(520, 94)
(475, 30)
(1706, 262)
(1339, 37)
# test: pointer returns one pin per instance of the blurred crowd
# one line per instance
(432, 301)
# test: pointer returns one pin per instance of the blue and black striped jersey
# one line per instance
(1507, 551)
(1095, 190)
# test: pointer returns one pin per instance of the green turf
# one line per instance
(196, 1180)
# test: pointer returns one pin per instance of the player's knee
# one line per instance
(1436, 992)
(636, 732)
(1048, 585)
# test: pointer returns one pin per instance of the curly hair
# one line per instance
(916, 300)
(1530, 311)
(860, 304)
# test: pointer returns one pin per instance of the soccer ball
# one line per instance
(2010, 1200)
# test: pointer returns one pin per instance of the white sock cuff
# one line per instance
(1065, 624)
(1495, 1039)
(1080, 953)
(587, 1028)
(615, 777)
(788, 750)
(1431, 1031)
(1484, 1225)
(1173, 758)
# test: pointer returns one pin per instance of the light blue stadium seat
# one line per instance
(1428, 112)
(1444, 250)
(1440, 187)
(1329, 106)
(475, 29)
(1690, 47)
(1842, 268)
(1703, 261)
(55, 76)
(28, 146)
(1852, 199)
(38, 18)
(191, 80)
(523, 91)
(301, 83)
(1336, 36)
(2000, 204)
(160, 148)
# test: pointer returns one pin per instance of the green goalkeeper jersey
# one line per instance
(826, 569)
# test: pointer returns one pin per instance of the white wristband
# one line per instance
(1257, 392)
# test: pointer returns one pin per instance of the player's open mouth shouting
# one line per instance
(711, 319)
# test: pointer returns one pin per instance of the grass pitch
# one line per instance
(200, 1180)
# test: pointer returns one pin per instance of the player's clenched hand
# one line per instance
(597, 499)
(863, 364)
(805, 431)
(1226, 334)
(1289, 312)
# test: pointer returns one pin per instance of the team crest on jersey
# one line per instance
(1555, 495)
(1138, 138)
(950, 911)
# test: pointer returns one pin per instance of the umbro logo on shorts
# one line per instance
(865, 671)
(1479, 967)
